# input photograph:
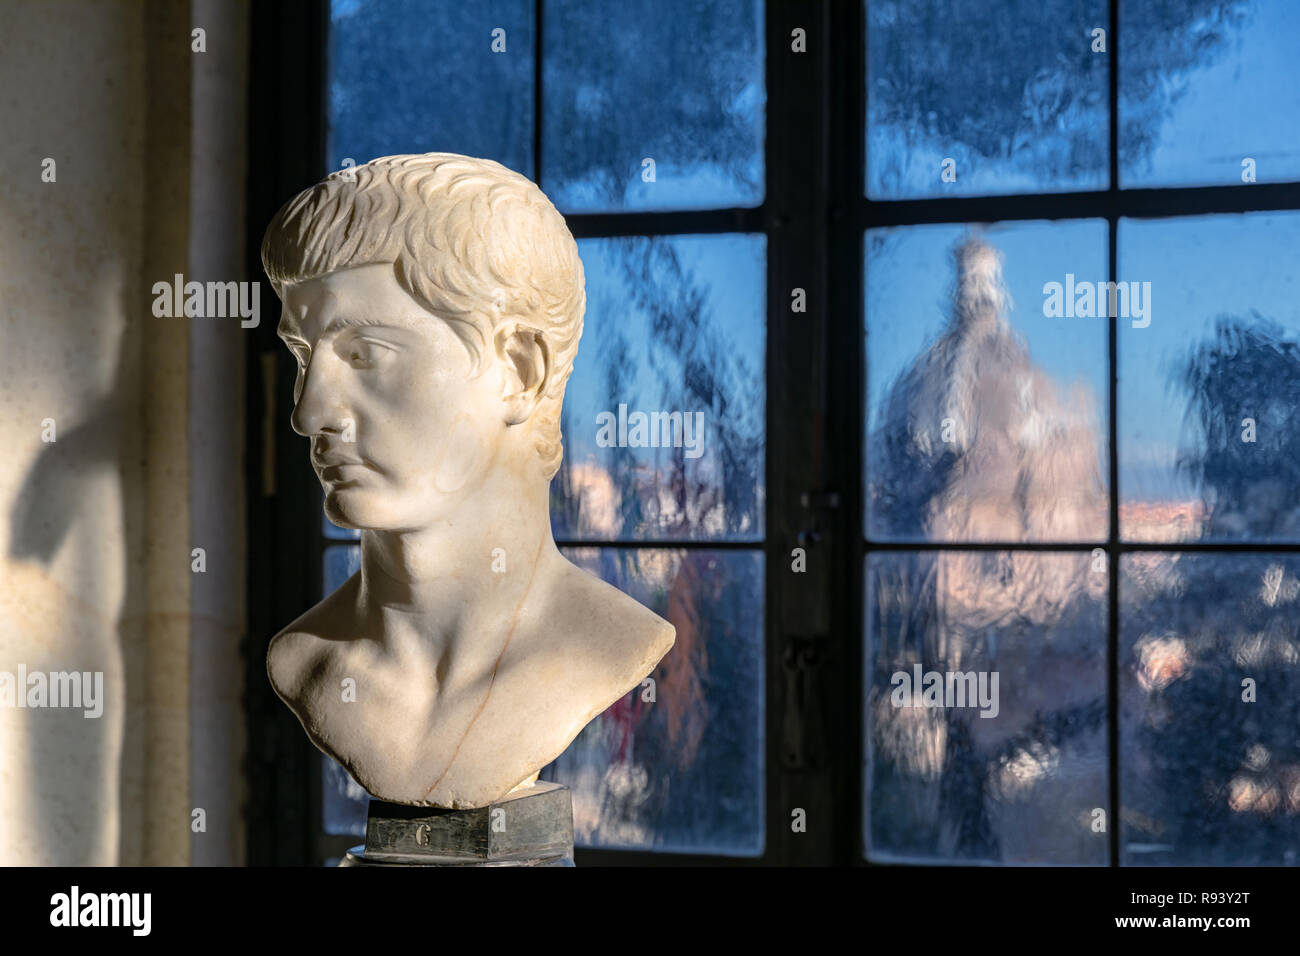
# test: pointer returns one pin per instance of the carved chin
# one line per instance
(378, 511)
(346, 507)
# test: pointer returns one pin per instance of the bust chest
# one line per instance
(408, 737)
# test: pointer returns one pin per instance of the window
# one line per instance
(664, 201)
(1077, 528)
(829, 234)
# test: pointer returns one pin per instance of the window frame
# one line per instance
(286, 138)
(1112, 204)
(814, 215)
(287, 122)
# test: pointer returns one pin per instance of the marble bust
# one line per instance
(434, 305)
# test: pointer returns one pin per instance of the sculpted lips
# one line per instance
(335, 474)
(334, 466)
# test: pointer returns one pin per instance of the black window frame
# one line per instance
(814, 216)
(1112, 204)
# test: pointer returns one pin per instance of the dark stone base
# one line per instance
(533, 827)
(357, 857)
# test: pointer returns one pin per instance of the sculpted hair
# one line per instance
(473, 242)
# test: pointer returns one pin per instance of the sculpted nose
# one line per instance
(318, 408)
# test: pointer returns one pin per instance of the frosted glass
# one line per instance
(986, 418)
(1209, 390)
(947, 784)
(681, 84)
(676, 325)
(409, 76)
(1210, 698)
(684, 772)
(1205, 85)
(1011, 92)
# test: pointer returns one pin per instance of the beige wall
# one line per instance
(216, 420)
(96, 527)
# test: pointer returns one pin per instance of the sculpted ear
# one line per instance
(525, 356)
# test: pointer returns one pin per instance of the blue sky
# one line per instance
(731, 271)
(907, 305)
(1245, 103)
(1199, 268)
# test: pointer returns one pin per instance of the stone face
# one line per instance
(434, 304)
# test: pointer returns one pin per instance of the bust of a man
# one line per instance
(434, 304)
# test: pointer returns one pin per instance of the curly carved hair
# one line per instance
(475, 243)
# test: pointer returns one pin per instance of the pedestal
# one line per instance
(531, 827)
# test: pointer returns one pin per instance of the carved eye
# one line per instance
(362, 353)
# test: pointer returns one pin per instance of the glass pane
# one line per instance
(341, 562)
(1210, 698)
(663, 416)
(343, 801)
(682, 772)
(985, 415)
(1000, 757)
(408, 76)
(1011, 94)
(1206, 85)
(680, 84)
(1209, 387)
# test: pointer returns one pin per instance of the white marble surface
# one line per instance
(467, 652)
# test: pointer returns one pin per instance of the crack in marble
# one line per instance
(514, 623)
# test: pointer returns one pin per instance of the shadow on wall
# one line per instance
(69, 582)
(80, 532)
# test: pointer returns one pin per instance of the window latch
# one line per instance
(815, 502)
(800, 722)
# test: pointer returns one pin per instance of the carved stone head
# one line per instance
(453, 296)
(434, 304)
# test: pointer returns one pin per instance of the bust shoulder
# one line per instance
(589, 645)
(298, 654)
(608, 633)
(580, 648)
